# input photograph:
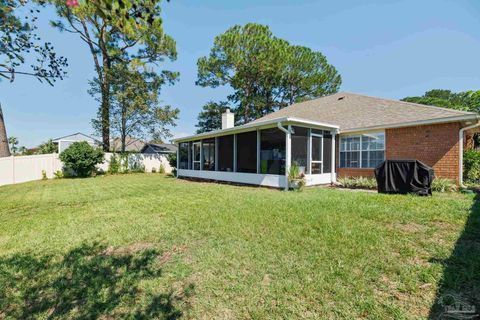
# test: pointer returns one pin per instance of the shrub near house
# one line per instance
(81, 158)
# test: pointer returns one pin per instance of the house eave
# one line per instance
(258, 125)
(469, 117)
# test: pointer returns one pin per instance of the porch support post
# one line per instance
(178, 158)
(288, 154)
(333, 174)
(234, 153)
(201, 155)
(258, 151)
(216, 153)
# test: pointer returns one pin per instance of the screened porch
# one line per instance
(260, 156)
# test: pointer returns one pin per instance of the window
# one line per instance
(247, 152)
(362, 151)
(208, 148)
(300, 148)
(272, 151)
(183, 155)
(225, 153)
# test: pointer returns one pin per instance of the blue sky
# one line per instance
(386, 48)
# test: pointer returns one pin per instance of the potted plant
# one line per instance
(296, 178)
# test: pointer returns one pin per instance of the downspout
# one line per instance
(288, 152)
(460, 139)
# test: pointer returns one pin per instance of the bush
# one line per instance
(296, 178)
(58, 174)
(136, 167)
(172, 160)
(82, 158)
(44, 175)
(444, 185)
(154, 170)
(124, 165)
(114, 165)
(471, 165)
(162, 169)
(358, 183)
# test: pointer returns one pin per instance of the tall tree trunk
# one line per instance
(123, 128)
(105, 105)
(4, 150)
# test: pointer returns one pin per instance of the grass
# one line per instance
(149, 246)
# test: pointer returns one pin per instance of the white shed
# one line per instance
(64, 142)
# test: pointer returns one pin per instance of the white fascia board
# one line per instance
(471, 117)
(254, 126)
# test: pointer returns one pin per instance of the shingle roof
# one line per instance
(160, 148)
(353, 111)
(131, 144)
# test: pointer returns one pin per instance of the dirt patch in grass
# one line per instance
(410, 227)
(130, 249)
(133, 248)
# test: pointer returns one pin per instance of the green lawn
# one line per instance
(148, 246)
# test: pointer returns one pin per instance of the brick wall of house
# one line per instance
(436, 145)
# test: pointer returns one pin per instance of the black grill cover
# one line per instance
(404, 176)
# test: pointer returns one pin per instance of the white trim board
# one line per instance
(268, 180)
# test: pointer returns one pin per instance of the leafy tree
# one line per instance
(134, 107)
(465, 101)
(210, 118)
(13, 141)
(82, 158)
(266, 73)
(18, 41)
(47, 147)
(306, 75)
(4, 149)
(172, 160)
(117, 31)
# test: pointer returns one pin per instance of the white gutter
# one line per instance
(460, 139)
(279, 125)
(466, 117)
(253, 125)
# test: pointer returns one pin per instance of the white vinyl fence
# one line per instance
(28, 168)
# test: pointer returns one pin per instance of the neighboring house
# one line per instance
(163, 148)
(64, 142)
(159, 152)
(340, 135)
(131, 145)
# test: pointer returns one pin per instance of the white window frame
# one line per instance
(360, 161)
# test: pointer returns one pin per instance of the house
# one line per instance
(64, 142)
(131, 145)
(162, 148)
(340, 135)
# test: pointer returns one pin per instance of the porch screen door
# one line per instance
(317, 154)
(196, 155)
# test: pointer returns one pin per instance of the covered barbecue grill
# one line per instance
(404, 176)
